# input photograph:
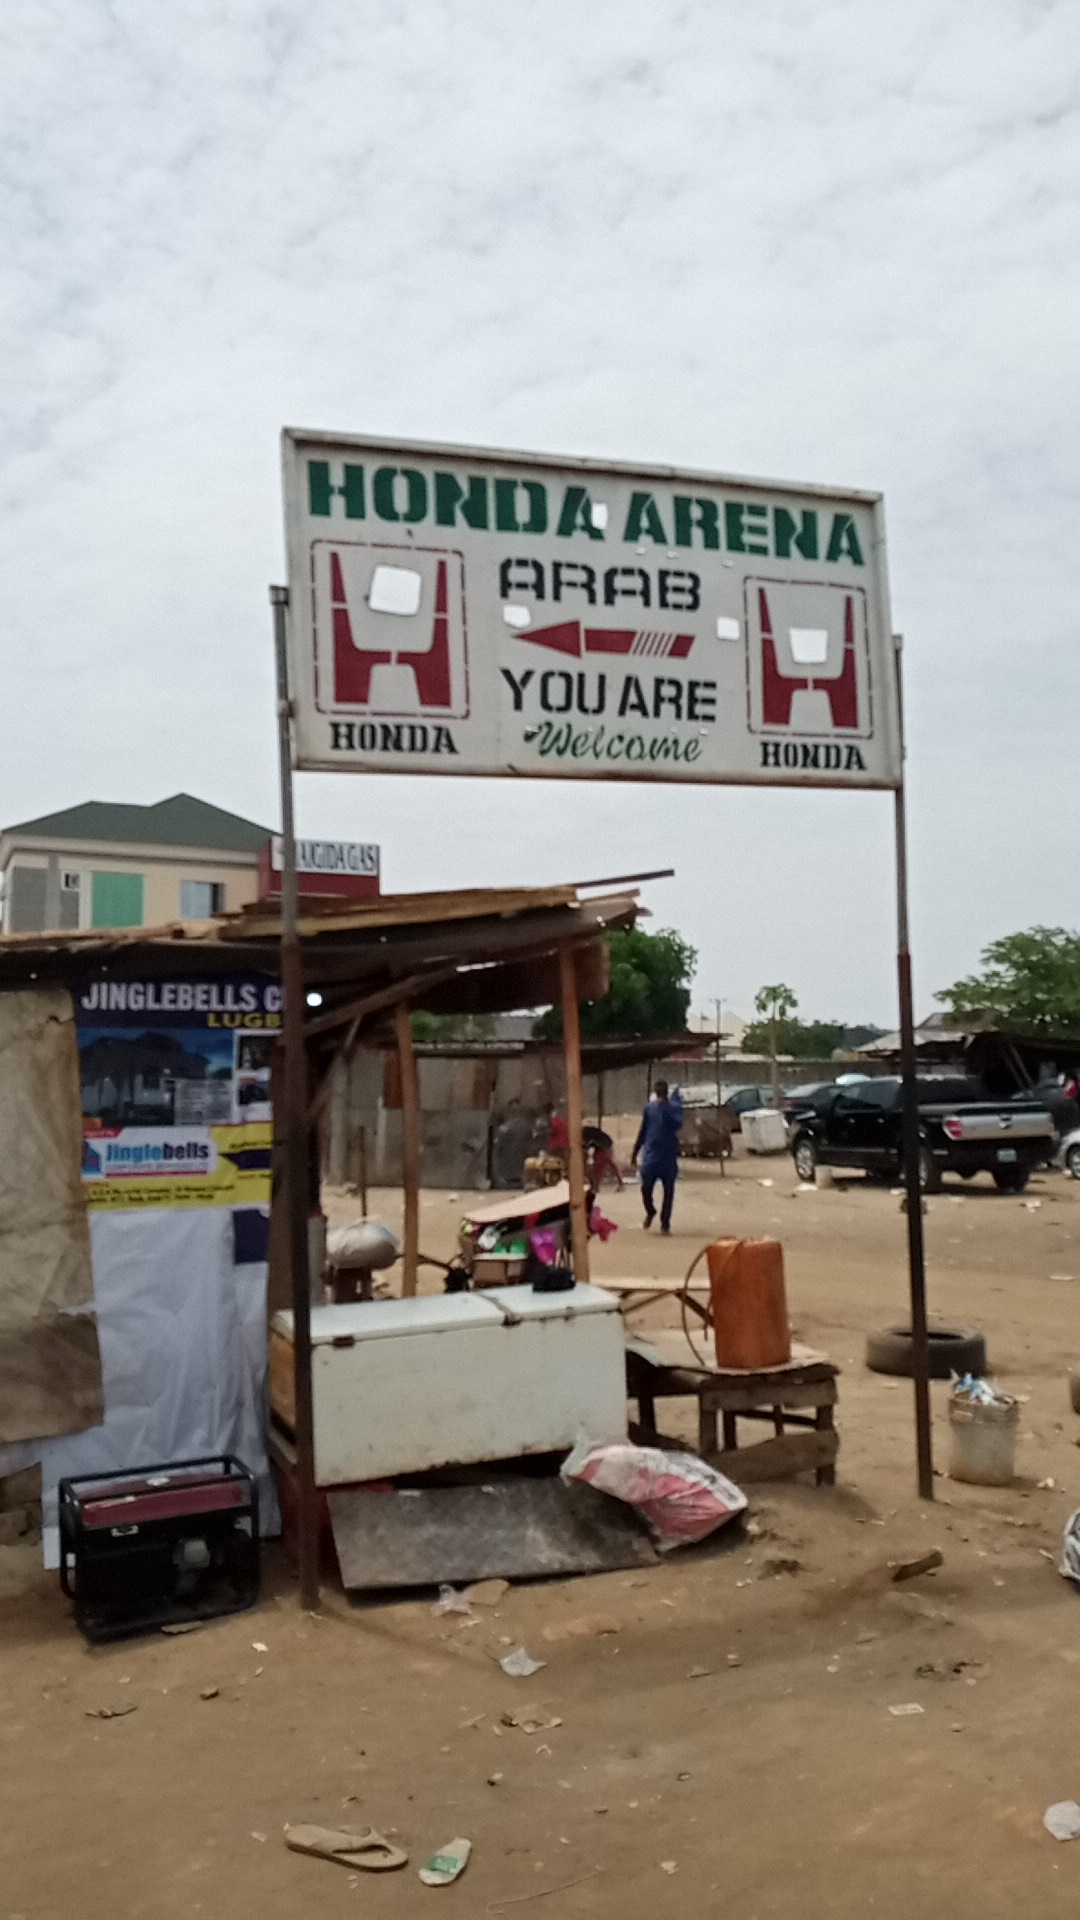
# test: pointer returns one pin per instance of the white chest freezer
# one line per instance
(764, 1131)
(402, 1385)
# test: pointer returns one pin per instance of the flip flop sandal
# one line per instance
(364, 1852)
(447, 1864)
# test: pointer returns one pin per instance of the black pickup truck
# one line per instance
(960, 1131)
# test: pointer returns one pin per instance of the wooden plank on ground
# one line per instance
(777, 1459)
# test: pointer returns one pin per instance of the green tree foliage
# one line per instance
(1028, 981)
(451, 1029)
(650, 990)
(802, 1039)
(774, 1005)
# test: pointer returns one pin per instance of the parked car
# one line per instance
(745, 1100)
(1059, 1097)
(960, 1131)
(816, 1097)
(1068, 1153)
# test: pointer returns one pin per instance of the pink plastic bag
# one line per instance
(681, 1497)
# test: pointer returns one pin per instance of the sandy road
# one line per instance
(774, 1785)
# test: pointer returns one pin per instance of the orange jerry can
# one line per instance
(749, 1304)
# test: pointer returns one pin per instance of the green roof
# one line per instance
(180, 821)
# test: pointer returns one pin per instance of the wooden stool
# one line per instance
(802, 1441)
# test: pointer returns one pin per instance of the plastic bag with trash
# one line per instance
(451, 1601)
(680, 1497)
(520, 1664)
(981, 1393)
(1063, 1820)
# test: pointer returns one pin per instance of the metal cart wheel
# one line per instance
(688, 1304)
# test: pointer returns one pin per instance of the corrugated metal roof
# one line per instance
(261, 923)
(469, 951)
(180, 821)
(387, 937)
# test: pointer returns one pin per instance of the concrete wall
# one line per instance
(749, 1073)
(460, 1099)
(161, 892)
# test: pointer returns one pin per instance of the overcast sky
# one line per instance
(835, 242)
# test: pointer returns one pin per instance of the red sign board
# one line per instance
(348, 868)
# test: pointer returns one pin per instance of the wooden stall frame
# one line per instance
(575, 1118)
(295, 1131)
(410, 1132)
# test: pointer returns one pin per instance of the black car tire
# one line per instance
(952, 1350)
(1011, 1179)
(1072, 1161)
(805, 1155)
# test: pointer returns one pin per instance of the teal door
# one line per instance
(117, 900)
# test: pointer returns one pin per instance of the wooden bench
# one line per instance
(797, 1400)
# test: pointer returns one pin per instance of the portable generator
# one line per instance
(159, 1545)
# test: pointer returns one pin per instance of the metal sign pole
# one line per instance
(296, 1132)
(719, 1005)
(920, 1345)
(709, 662)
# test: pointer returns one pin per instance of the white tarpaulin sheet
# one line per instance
(183, 1349)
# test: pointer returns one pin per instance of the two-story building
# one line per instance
(115, 865)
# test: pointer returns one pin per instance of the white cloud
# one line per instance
(833, 243)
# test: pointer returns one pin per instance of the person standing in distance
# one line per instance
(658, 1145)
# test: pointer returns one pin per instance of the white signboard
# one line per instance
(352, 858)
(464, 611)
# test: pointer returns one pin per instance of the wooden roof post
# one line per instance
(410, 1144)
(575, 1119)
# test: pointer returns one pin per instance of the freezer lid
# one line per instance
(393, 1319)
(521, 1303)
(520, 1206)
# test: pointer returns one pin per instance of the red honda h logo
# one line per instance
(394, 619)
(807, 657)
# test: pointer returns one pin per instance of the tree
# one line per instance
(1029, 981)
(451, 1029)
(774, 1005)
(802, 1039)
(649, 993)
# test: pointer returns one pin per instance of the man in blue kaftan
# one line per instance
(658, 1146)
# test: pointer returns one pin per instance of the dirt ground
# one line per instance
(773, 1782)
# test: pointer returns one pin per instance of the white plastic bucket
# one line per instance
(983, 1436)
